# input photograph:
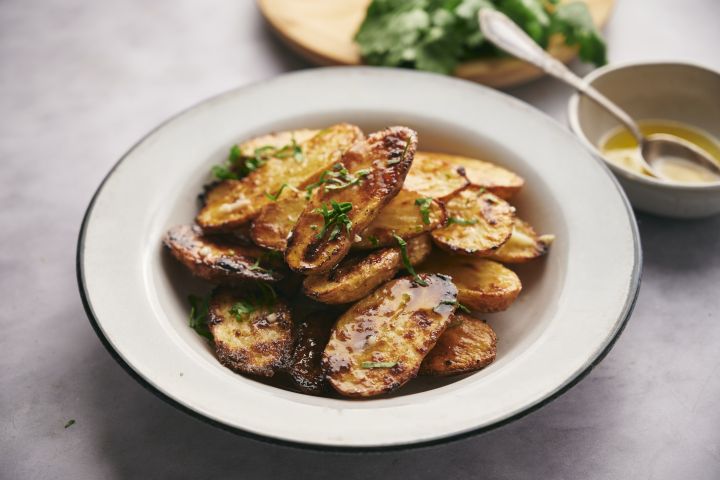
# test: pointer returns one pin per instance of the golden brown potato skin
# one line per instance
(218, 261)
(493, 221)
(275, 222)
(312, 335)
(357, 277)
(483, 285)
(436, 175)
(402, 217)
(398, 323)
(388, 155)
(523, 245)
(258, 344)
(467, 345)
(234, 202)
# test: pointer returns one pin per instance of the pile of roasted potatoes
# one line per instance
(353, 261)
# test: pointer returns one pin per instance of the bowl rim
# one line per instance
(580, 373)
(575, 126)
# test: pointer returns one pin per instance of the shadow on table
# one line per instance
(140, 436)
(683, 246)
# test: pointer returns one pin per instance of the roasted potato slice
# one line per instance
(378, 345)
(483, 285)
(357, 277)
(467, 345)
(433, 176)
(436, 175)
(478, 222)
(312, 334)
(523, 245)
(407, 215)
(234, 202)
(251, 336)
(275, 222)
(327, 227)
(220, 261)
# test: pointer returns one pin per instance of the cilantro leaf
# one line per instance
(574, 22)
(199, 309)
(436, 35)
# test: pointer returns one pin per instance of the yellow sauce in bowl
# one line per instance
(620, 147)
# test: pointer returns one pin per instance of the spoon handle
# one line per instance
(504, 33)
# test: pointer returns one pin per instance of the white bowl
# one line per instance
(680, 92)
(574, 303)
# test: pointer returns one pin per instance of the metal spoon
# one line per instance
(504, 33)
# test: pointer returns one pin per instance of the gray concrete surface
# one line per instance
(81, 81)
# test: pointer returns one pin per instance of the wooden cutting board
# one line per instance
(323, 30)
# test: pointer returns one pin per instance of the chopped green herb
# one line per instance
(460, 221)
(406, 262)
(373, 240)
(238, 165)
(424, 205)
(378, 364)
(263, 296)
(337, 178)
(291, 150)
(335, 217)
(70, 423)
(255, 267)
(241, 309)
(274, 197)
(199, 309)
(457, 305)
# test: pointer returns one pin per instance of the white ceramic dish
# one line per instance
(574, 304)
(675, 91)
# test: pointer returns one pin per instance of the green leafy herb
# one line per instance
(437, 35)
(242, 309)
(406, 262)
(335, 217)
(293, 149)
(70, 423)
(457, 305)
(199, 308)
(574, 22)
(424, 205)
(238, 165)
(274, 197)
(378, 364)
(261, 296)
(460, 221)
(462, 307)
(374, 240)
(337, 178)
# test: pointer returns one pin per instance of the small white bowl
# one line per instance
(679, 92)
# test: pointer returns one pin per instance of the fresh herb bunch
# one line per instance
(436, 35)
(238, 165)
(336, 218)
